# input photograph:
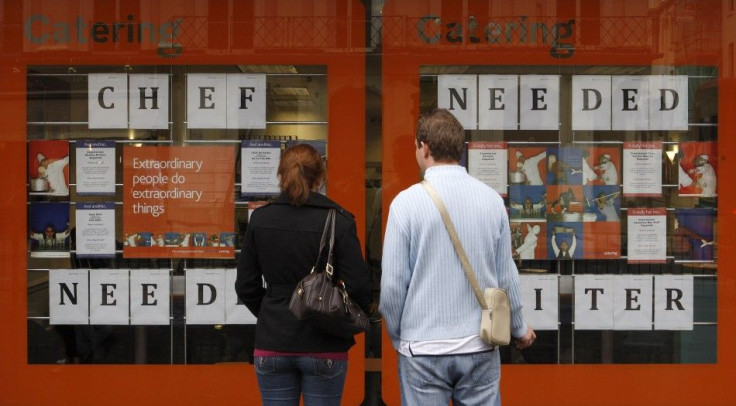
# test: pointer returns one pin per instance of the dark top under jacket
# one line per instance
(280, 246)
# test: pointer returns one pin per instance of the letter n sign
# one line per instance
(68, 296)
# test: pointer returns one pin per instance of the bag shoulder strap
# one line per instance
(456, 242)
(328, 239)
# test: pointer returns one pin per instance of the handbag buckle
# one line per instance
(328, 269)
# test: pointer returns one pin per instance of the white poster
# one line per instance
(647, 235)
(149, 101)
(642, 168)
(68, 296)
(673, 302)
(259, 164)
(487, 162)
(149, 296)
(498, 102)
(95, 167)
(668, 103)
(540, 294)
(632, 302)
(539, 102)
(108, 296)
(205, 296)
(206, 100)
(107, 100)
(629, 103)
(593, 302)
(457, 93)
(246, 100)
(591, 102)
(95, 234)
(235, 310)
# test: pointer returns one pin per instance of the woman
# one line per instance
(293, 358)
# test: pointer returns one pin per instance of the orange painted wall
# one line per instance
(707, 384)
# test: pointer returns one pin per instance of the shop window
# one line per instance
(630, 191)
(114, 152)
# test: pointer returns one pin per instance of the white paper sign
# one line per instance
(235, 310)
(149, 101)
(95, 235)
(591, 102)
(457, 93)
(539, 102)
(488, 162)
(149, 296)
(647, 235)
(259, 164)
(673, 302)
(68, 296)
(629, 103)
(206, 100)
(498, 102)
(642, 168)
(668, 103)
(108, 296)
(107, 100)
(95, 167)
(205, 296)
(632, 302)
(594, 302)
(246, 101)
(540, 295)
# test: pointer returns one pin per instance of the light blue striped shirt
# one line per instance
(425, 294)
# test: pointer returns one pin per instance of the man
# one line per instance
(607, 170)
(605, 206)
(564, 251)
(530, 167)
(526, 250)
(529, 209)
(704, 175)
(53, 171)
(50, 239)
(428, 305)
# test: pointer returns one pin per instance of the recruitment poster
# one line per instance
(95, 167)
(48, 167)
(174, 196)
(48, 229)
(647, 235)
(259, 164)
(95, 233)
(487, 163)
(642, 168)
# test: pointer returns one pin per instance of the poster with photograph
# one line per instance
(642, 166)
(698, 169)
(692, 234)
(647, 235)
(601, 165)
(49, 230)
(487, 163)
(48, 167)
(564, 203)
(564, 240)
(564, 166)
(95, 230)
(529, 240)
(602, 203)
(95, 167)
(527, 203)
(527, 166)
(601, 240)
(259, 164)
(176, 196)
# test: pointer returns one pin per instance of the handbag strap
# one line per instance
(455, 242)
(328, 237)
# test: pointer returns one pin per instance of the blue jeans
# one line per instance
(471, 379)
(282, 380)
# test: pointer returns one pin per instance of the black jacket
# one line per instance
(280, 246)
